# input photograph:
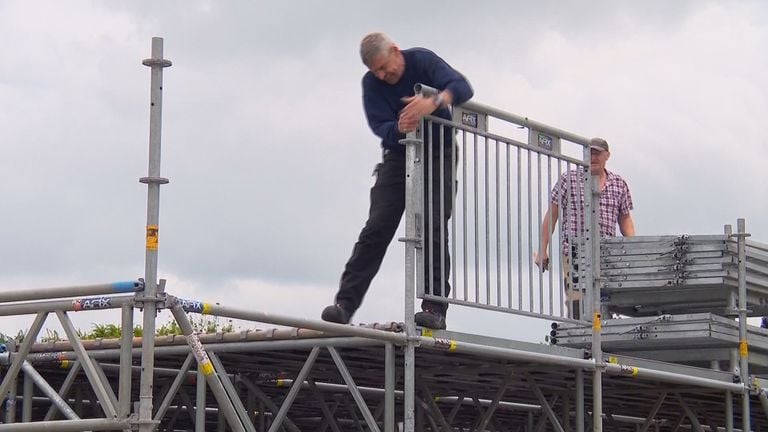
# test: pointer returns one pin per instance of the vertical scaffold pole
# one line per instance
(743, 344)
(593, 285)
(414, 261)
(153, 181)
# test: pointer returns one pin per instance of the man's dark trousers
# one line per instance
(386, 210)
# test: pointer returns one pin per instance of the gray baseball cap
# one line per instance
(598, 144)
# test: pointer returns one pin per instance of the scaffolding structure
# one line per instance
(315, 375)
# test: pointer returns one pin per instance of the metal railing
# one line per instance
(479, 206)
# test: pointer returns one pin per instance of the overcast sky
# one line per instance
(269, 156)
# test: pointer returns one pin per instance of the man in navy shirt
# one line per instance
(393, 110)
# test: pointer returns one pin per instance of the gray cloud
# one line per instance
(266, 144)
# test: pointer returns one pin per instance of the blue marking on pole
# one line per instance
(129, 286)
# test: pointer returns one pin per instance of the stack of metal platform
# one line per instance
(676, 297)
(696, 339)
(650, 276)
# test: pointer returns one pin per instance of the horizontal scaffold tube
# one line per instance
(73, 291)
(77, 304)
(524, 121)
(327, 327)
(66, 425)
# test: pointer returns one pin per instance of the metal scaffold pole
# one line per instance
(593, 282)
(743, 343)
(414, 259)
(153, 181)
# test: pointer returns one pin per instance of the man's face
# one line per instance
(388, 66)
(598, 158)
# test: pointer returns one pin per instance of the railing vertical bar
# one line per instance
(519, 230)
(559, 243)
(464, 210)
(538, 218)
(509, 232)
(441, 178)
(454, 155)
(530, 235)
(477, 229)
(487, 210)
(551, 257)
(498, 230)
(429, 219)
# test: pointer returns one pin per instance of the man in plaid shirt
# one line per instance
(568, 195)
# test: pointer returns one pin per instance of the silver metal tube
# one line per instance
(217, 388)
(67, 426)
(389, 387)
(728, 411)
(653, 412)
(464, 211)
(743, 343)
(414, 258)
(519, 231)
(77, 304)
(65, 386)
(232, 392)
(545, 406)
(695, 424)
(288, 401)
(331, 328)
(103, 393)
(13, 371)
(10, 401)
(486, 208)
(72, 291)
(126, 343)
(530, 236)
(253, 346)
(153, 180)
(26, 406)
(593, 284)
(352, 389)
(524, 121)
(57, 401)
(105, 382)
(763, 401)
(509, 230)
(538, 244)
(177, 382)
(200, 400)
(477, 222)
(265, 400)
(498, 229)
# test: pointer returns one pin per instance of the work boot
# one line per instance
(431, 319)
(337, 314)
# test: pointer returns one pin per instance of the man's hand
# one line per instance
(542, 261)
(416, 107)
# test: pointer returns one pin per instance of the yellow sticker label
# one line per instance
(453, 346)
(64, 364)
(206, 308)
(743, 348)
(597, 323)
(280, 382)
(635, 371)
(207, 368)
(613, 360)
(426, 332)
(152, 234)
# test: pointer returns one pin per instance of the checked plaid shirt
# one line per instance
(568, 194)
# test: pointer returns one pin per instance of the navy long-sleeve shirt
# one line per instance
(383, 102)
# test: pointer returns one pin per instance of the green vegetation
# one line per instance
(203, 324)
